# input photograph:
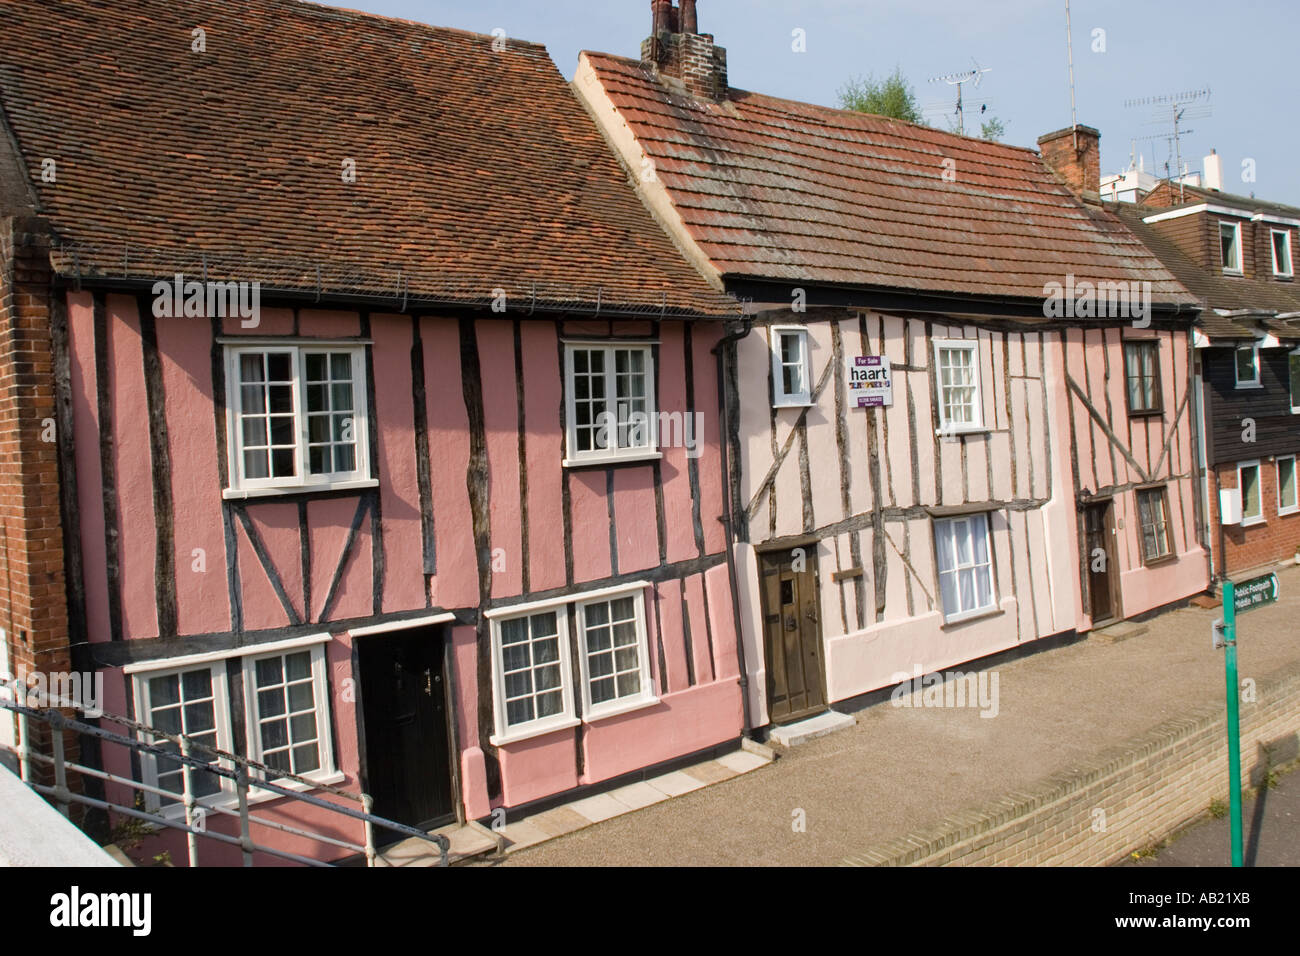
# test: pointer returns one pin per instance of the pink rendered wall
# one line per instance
(696, 682)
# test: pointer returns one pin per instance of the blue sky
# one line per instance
(1241, 51)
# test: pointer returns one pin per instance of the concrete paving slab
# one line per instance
(676, 783)
(792, 735)
(1115, 633)
(743, 762)
(637, 796)
(600, 807)
(711, 771)
(558, 821)
(523, 833)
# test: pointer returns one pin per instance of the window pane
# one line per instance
(1250, 497)
(1286, 482)
(279, 367)
(268, 671)
(1245, 364)
(164, 691)
(252, 368)
(298, 666)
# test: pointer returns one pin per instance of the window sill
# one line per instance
(528, 733)
(958, 432)
(606, 460)
(1253, 522)
(240, 494)
(229, 801)
(625, 707)
(1159, 562)
(1285, 512)
(1247, 386)
(1152, 413)
(971, 616)
(780, 405)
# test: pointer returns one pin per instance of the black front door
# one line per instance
(404, 701)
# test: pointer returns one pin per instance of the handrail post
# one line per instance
(245, 832)
(191, 838)
(60, 771)
(368, 804)
(24, 747)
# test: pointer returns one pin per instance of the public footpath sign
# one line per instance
(1238, 598)
(1256, 592)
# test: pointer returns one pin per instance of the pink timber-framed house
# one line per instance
(378, 528)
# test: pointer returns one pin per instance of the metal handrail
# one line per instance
(245, 775)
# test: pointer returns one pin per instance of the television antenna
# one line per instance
(959, 80)
(1175, 109)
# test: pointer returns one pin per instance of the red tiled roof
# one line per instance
(792, 192)
(475, 169)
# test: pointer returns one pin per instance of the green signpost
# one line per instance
(1237, 599)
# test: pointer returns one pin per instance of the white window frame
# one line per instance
(596, 456)
(1282, 507)
(1289, 271)
(980, 611)
(505, 733)
(359, 477)
(327, 772)
(959, 428)
(1236, 369)
(1240, 267)
(780, 397)
(1295, 393)
(646, 696)
(1246, 520)
(225, 736)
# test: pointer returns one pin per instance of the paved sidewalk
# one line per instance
(1270, 833)
(901, 769)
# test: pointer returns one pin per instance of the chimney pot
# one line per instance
(690, 17)
(659, 10)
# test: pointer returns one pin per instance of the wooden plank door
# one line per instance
(796, 685)
(1099, 528)
(408, 749)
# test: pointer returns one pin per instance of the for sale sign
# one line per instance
(871, 383)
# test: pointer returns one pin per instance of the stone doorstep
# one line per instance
(467, 841)
(1120, 631)
(792, 735)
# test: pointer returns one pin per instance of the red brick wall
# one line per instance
(33, 599)
(1081, 167)
(1257, 545)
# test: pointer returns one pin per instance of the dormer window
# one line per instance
(1230, 245)
(1248, 366)
(1282, 266)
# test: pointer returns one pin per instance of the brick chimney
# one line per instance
(677, 51)
(1075, 154)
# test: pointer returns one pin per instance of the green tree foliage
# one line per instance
(892, 96)
(992, 129)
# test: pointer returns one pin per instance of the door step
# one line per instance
(467, 840)
(1122, 631)
(800, 732)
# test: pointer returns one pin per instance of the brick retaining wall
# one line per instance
(1146, 789)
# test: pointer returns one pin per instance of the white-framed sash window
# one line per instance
(791, 368)
(609, 402)
(1288, 496)
(957, 378)
(297, 416)
(1250, 481)
(286, 702)
(192, 701)
(614, 654)
(964, 553)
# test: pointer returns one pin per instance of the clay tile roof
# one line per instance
(787, 191)
(1251, 300)
(475, 169)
